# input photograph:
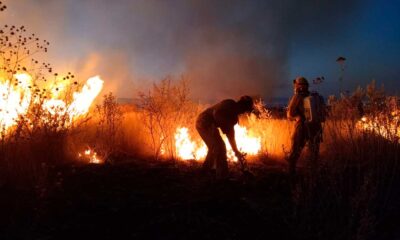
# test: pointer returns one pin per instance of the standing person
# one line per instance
(224, 115)
(308, 122)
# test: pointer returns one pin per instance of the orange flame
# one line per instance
(91, 156)
(247, 144)
(387, 127)
(15, 100)
(83, 100)
(187, 149)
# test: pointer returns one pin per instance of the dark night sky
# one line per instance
(226, 47)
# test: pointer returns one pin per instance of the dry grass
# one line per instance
(352, 190)
(346, 197)
(136, 140)
(275, 135)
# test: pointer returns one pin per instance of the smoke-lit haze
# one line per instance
(226, 48)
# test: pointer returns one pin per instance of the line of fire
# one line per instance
(169, 125)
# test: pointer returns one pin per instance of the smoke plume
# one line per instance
(226, 48)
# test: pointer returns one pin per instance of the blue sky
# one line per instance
(369, 39)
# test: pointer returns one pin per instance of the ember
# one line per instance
(90, 156)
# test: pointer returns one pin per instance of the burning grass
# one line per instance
(351, 189)
(254, 136)
(20, 99)
(35, 128)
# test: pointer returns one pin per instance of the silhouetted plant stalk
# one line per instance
(2, 6)
(165, 107)
(351, 191)
(37, 137)
(109, 126)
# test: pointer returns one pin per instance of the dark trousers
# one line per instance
(216, 154)
(305, 133)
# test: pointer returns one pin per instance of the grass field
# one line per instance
(141, 189)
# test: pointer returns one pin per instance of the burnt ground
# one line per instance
(152, 200)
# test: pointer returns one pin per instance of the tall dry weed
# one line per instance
(164, 108)
(352, 189)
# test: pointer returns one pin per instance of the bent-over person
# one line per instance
(223, 115)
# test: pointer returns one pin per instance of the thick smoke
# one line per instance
(226, 48)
